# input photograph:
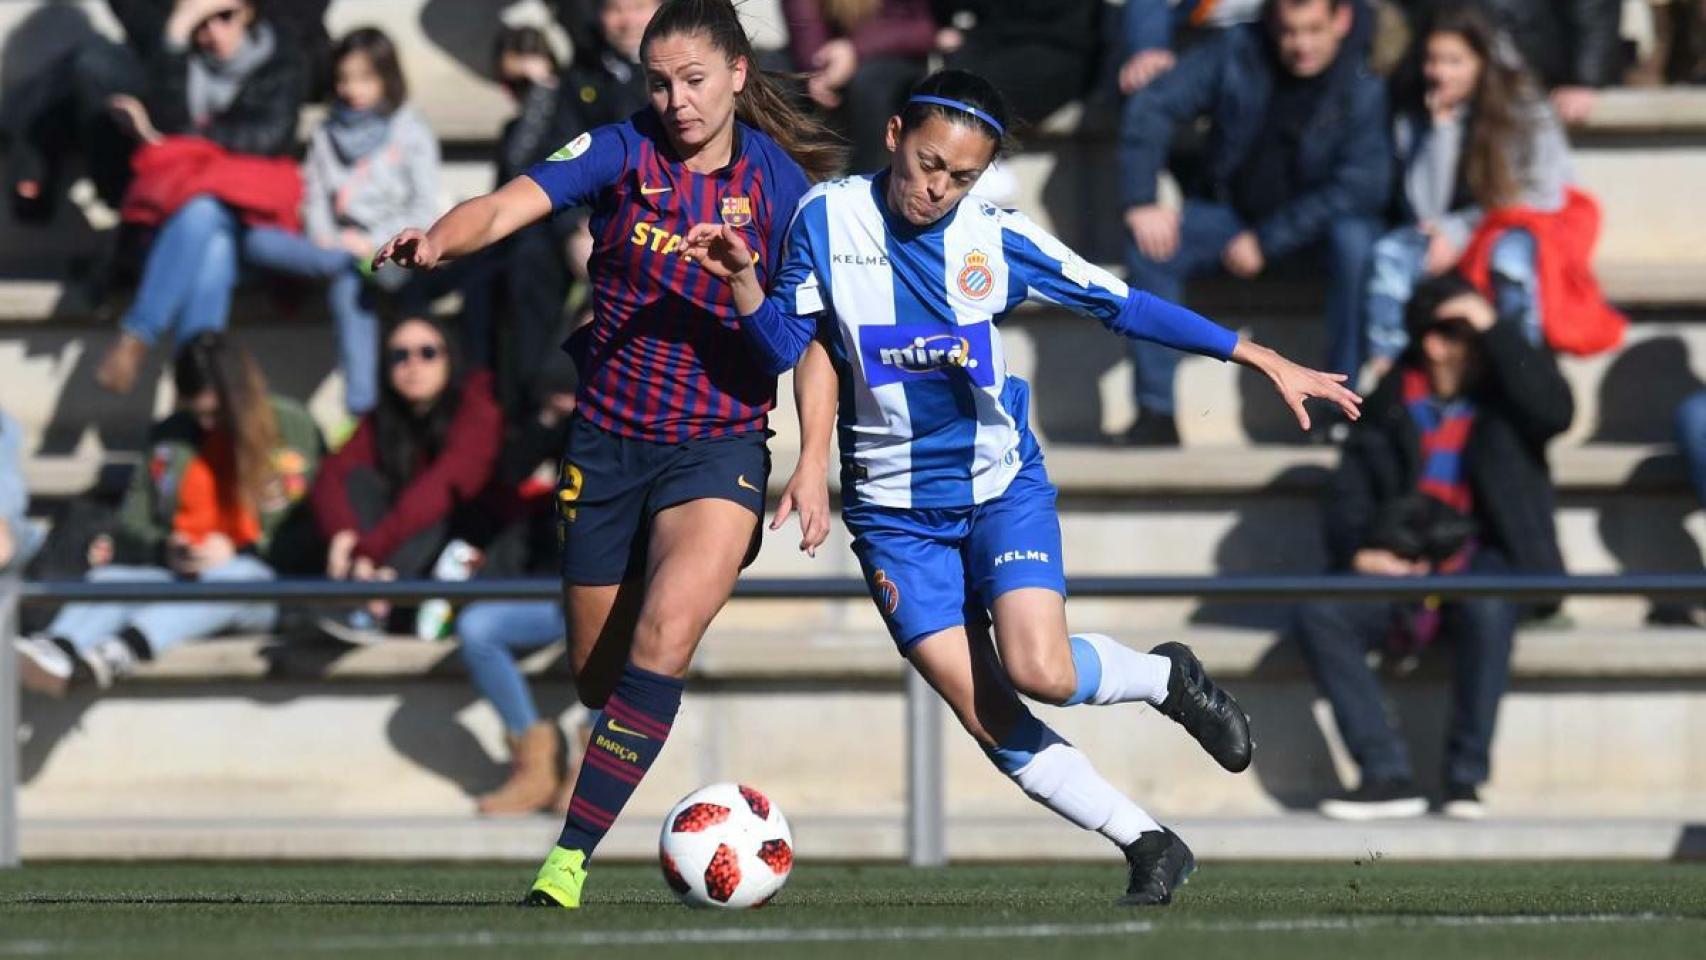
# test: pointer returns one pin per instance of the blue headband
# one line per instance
(961, 106)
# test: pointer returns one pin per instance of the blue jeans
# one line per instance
(188, 276)
(1691, 438)
(1336, 637)
(166, 625)
(356, 322)
(493, 635)
(1399, 266)
(1205, 230)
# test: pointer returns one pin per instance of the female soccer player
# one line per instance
(951, 511)
(662, 484)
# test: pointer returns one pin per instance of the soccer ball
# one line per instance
(726, 845)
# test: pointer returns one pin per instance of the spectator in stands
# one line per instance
(19, 538)
(1445, 473)
(1572, 46)
(1041, 54)
(1471, 136)
(1691, 440)
(391, 499)
(495, 633)
(216, 502)
(1298, 160)
(372, 167)
(225, 90)
(604, 85)
(861, 58)
(67, 108)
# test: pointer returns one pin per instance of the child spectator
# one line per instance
(388, 501)
(372, 168)
(1471, 135)
(225, 88)
(862, 58)
(214, 502)
(1445, 473)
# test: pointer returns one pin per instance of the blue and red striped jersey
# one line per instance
(665, 360)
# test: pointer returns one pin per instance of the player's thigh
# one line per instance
(1014, 564)
(602, 486)
(960, 665)
(914, 569)
(1031, 635)
(599, 622)
(694, 556)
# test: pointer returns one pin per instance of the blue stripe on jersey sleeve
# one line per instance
(581, 168)
(1146, 316)
(1050, 269)
(782, 328)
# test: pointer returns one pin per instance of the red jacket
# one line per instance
(457, 476)
(264, 191)
(1573, 311)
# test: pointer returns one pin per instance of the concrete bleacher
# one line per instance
(1603, 720)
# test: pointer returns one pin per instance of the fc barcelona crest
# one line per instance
(737, 211)
(976, 279)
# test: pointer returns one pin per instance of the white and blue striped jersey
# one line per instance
(930, 416)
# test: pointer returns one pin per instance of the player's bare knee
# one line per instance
(1045, 679)
(665, 644)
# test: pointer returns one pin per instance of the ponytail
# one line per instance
(762, 102)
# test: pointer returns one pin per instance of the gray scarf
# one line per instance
(214, 83)
(357, 133)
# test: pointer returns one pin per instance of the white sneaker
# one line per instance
(43, 665)
(110, 660)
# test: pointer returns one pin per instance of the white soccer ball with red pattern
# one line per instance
(726, 845)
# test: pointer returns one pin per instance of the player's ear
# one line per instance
(739, 68)
(892, 135)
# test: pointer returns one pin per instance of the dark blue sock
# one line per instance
(625, 740)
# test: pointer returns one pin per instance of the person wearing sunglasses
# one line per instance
(216, 501)
(395, 494)
(1445, 473)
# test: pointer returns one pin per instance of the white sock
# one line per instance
(1061, 778)
(1119, 673)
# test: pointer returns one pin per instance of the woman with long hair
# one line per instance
(1472, 136)
(389, 500)
(223, 476)
(943, 484)
(662, 484)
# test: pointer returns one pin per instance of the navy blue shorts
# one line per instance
(932, 569)
(609, 488)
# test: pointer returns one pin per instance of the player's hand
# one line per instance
(806, 494)
(1297, 383)
(720, 249)
(1243, 256)
(1141, 69)
(412, 249)
(1156, 230)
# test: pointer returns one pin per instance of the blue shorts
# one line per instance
(609, 487)
(932, 569)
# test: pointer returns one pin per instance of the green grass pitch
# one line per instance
(1373, 909)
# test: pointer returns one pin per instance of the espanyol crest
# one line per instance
(976, 280)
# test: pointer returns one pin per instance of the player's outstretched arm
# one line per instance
(1297, 383)
(470, 226)
(779, 336)
(816, 391)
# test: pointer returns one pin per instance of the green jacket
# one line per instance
(151, 502)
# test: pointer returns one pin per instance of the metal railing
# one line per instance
(926, 838)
